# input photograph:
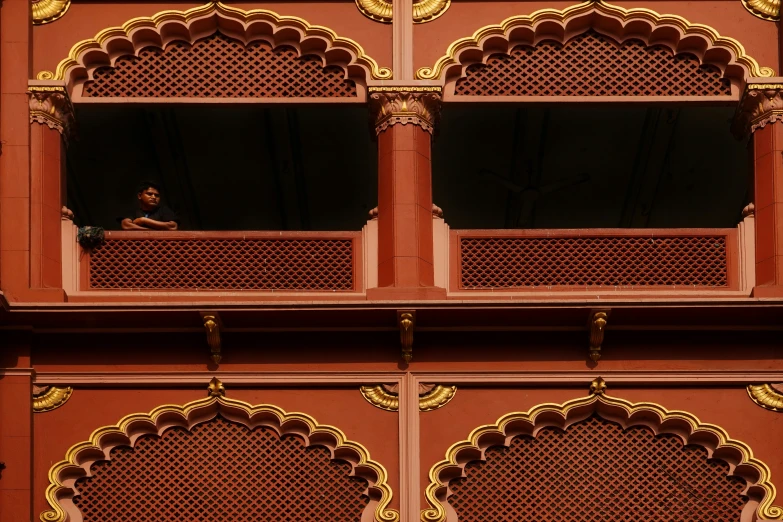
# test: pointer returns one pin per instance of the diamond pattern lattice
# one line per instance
(219, 67)
(592, 65)
(580, 261)
(220, 472)
(597, 472)
(223, 264)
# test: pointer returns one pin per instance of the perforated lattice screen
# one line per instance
(613, 261)
(223, 264)
(592, 65)
(219, 67)
(596, 472)
(220, 472)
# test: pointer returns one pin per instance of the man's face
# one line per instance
(149, 198)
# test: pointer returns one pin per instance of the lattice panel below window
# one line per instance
(582, 261)
(592, 65)
(597, 472)
(219, 67)
(223, 264)
(220, 472)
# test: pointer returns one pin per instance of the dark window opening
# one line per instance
(226, 167)
(506, 166)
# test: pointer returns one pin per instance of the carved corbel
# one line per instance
(406, 320)
(403, 105)
(761, 103)
(50, 105)
(597, 326)
(212, 328)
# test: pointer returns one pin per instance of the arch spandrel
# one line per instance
(760, 491)
(192, 25)
(617, 23)
(80, 458)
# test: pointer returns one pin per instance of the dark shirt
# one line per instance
(162, 213)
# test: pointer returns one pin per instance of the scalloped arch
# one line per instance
(198, 22)
(686, 426)
(79, 459)
(616, 22)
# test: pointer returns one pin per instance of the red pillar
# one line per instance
(45, 207)
(16, 420)
(404, 121)
(768, 198)
(404, 207)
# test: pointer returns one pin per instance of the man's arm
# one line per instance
(128, 224)
(144, 223)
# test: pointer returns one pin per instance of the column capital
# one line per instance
(417, 105)
(51, 106)
(760, 104)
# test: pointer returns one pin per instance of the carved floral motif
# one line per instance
(423, 10)
(48, 398)
(768, 396)
(761, 103)
(50, 105)
(431, 396)
(46, 11)
(402, 105)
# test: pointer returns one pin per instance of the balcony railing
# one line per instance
(580, 260)
(224, 261)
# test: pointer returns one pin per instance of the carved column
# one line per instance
(761, 114)
(404, 119)
(51, 116)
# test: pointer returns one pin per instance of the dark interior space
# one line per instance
(226, 167)
(505, 166)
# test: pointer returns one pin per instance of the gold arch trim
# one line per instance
(156, 21)
(46, 11)
(437, 397)
(766, 396)
(51, 399)
(126, 431)
(383, 11)
(624, 15)
(550, 414)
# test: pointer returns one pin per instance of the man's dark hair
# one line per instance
(144, 185)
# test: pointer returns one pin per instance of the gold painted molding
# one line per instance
(683, 26)
(683, 424)
(102, 41)
(766, 396)
(51, 398)
(129, 428)
(423, 10)
(382, 398)
(47, 11)
(764, 9)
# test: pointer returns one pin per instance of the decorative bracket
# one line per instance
(760, 104)
(212, 324)
(597, 326)
(50, 105)
(402, 105)
(406, 319)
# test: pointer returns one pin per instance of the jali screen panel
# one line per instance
(227, 263)
(611, 260)
(592, 65)
(595, 471)
(220, 472)
(219, 67)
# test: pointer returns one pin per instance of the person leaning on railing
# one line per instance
(150, 214)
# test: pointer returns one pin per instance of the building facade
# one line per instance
(438, 261)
